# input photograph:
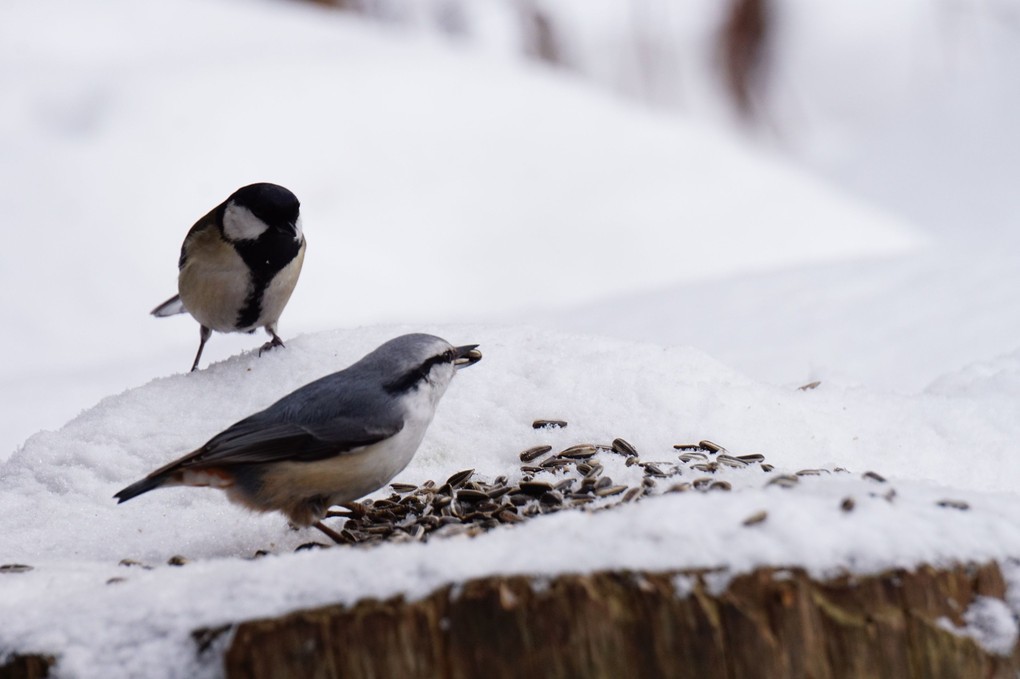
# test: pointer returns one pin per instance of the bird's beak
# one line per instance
(467, 355)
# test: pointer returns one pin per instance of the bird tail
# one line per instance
(139, 487)
(170, 307)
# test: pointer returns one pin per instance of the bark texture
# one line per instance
(770, 623)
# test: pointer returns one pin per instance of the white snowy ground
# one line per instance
(468, 198)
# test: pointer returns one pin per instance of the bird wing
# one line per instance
(255, 442)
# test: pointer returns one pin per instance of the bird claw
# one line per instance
(275, 342)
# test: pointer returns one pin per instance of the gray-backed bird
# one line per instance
(239, 264)
(331, 441)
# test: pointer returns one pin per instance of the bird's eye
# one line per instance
(448, 355)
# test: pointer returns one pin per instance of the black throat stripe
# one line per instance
(265, 257)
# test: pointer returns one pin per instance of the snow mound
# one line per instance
(942, 500)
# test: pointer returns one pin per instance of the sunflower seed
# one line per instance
(580, 498)
(710, 447)
(24, 568)
(631, 461)
(623, 448)
(784, 481)
(756, 518)
(553, 497)
(111, 581)
(720, 485)
(873, 477)
(754, 457)
(731, 461)
(507, 516)
(535, 488)
(531, 469)
(460, 477)
(404, 487)
(679, 488)
(178, 560)
(632, 494)
(555, 463)
(604, 482)
(652, 470)
(565, 484)
(471, 495)
(812, 472)
(499, 492)
(687, 457)
(583, 468)
(442, 501)
(519, 499)
(131, 562)
(765, 467)
(310, 545)
(701, 484)
(533, 453)
(688, 446)
(607, 491)
(847, 504)
(710, 467)
(552, 424)
(579, 452)
(953, 504)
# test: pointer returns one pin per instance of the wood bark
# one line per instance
(770, 623)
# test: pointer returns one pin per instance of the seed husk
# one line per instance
(809, 385)
(701, 484)
(24, 568)
(710, 447)
(132, 562)
(552, 424)
(632, 494)
(633, 460)
(765, 467)
(553, 497)
(811, 472)
(679, 488)
(873, 476)
(579, 452)
(709, 467)
(652, 470)
(178, 560)
(753, 457)
(622, 447)
(784, 481)
(531, 469)
(756, 518)
(555, 463)
(720, 485)
(497, 492)
(534, 453)
(847, 505)
(687, 446)
(404, 487)
(565, 484)
(730, 461)
(507, 516)
(953, 504)
(607, 491)
(471, 495)
(604, 482)
(535, 488)
(460, 477)
(687, 457)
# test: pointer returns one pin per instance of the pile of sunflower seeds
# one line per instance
(570, 479)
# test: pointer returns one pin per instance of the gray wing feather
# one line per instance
(252, 443)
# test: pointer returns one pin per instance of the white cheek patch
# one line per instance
(240, 224)
(298, 230)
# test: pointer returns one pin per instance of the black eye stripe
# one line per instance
(412, 377)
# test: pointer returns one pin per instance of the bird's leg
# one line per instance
(336, 537)
(275, 342)
(203, 337)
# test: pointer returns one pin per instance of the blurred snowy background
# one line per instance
(802, 191)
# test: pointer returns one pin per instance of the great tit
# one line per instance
(239, 264)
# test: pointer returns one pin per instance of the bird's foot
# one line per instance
(275, 342)
(332, 534)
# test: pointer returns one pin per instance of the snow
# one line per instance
(990, 623)
(634, 274)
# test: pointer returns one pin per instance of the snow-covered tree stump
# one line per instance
(769, 623)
